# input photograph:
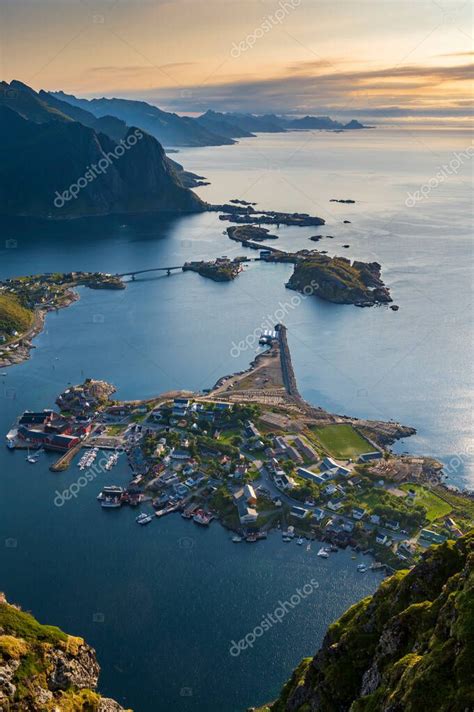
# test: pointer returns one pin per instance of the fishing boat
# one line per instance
(323, 553)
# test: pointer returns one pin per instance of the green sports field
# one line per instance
(342, 441)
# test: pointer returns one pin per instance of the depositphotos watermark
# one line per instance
(271, 619)
(268, 322)
(97, 169)
(268, 23)
(74, 488)
(446, 170)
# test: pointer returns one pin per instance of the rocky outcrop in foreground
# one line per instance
(42, 668)
(407, 648)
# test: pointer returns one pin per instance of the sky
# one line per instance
(399, 60)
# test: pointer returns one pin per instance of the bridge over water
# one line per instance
(134, 273)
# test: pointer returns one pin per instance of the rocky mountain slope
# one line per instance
(48, 153)
(42, 668)
(407, 648)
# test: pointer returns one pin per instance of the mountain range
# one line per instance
(212, 128)
(61, 161)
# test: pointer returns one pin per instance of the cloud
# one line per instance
(371, 90)
(134, 69)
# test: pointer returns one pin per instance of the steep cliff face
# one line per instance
(407, 648)
(63, 169)
(42, 668)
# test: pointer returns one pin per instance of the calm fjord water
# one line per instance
(162, 604)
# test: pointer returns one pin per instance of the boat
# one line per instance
(237, 539)
(203, 518)
(299, 541)
(286, 538)
(251, 538)
(144, 518)
(323, 553)
(308, 547)
(361, 568)
(33, 459)
(111, 502)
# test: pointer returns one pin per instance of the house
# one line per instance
(280, 443)
(311, 476)
(368, 456)
(432, 536)
(250, 494)
(299, 512)
(240, 471)
(348, 526)
(334, 505)
(284, 482)
(393, 525)
(318, 514)
(293, 454)
(358, 513)
(330, 489)
(305, 448)
(179, 454)
(60, 442)
(375, 519)
(381, 539)
(245, 494)
(247, 515)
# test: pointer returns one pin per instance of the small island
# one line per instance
(220, 270)
(336, 279)
(248, 233)
(244, 213)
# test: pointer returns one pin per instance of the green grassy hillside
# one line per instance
(13, 316)
(407, 648)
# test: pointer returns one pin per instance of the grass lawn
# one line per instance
(342, 441)
(434, 505)
(115, 429)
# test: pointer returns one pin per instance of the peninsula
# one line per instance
(253, 454)
(25, 301)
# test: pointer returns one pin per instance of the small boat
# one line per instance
(111, 502)
(353, 557)
(144, 518)
(286, 538)
(308, 547)
(201, 517)
(251, 538)
(237, 539)
(361, 568)
(323, 553)
(299, 541)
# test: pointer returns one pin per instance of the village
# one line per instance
(253, 455)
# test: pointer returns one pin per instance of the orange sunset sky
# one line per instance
(380, 59)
